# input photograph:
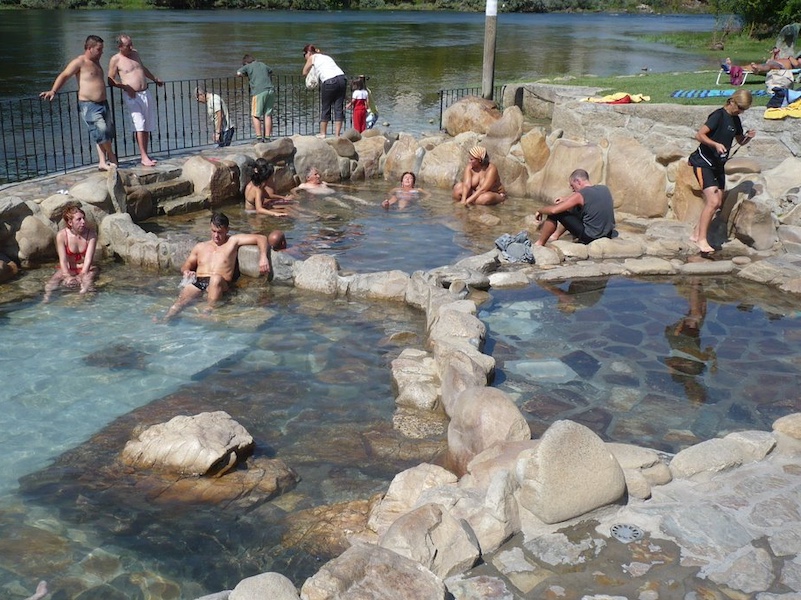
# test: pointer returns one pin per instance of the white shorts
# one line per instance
(141, 109)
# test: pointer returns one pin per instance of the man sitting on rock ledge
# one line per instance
(212, 267)
(588, 213)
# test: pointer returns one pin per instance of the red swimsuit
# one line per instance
(76, 256)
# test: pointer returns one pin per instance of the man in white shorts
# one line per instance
(133, 76)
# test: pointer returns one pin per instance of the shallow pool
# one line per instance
(657, 362)
(649, 362)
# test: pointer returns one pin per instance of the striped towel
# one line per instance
(711, 93)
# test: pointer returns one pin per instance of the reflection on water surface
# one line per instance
(658, 364)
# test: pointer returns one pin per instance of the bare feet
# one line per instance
(106, 166)
(704, 247)
(41, 591)
(149, 162)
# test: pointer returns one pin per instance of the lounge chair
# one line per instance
(726, 70)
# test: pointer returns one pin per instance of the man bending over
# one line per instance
(211, 265)
(588, 213)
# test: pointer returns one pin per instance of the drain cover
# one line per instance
(626, 533)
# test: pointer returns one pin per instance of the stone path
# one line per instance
(733, 535)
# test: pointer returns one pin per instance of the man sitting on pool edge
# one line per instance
(212, 265)
(588, 213)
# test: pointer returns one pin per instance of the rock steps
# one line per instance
(160, 191)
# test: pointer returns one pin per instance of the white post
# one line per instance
(490, 25)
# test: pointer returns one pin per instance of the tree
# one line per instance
(758, 17)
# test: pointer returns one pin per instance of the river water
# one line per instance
(408, 56)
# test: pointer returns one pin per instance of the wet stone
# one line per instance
(582, 363)
(478, 588)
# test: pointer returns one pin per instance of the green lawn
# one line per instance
(660, 86)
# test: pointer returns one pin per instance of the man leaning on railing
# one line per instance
(91, 98)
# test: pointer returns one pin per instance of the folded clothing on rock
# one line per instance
(791, 110)
(618, 98)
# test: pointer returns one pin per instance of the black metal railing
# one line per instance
(449, 97)
(41, 138)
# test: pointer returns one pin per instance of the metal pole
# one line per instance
(490, 25)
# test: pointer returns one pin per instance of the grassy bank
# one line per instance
(740, 48)
(660, 86)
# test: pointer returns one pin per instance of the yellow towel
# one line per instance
(636, 98)
(791, 110)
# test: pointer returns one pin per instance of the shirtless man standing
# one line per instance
(91, 98)
(481, 183)
(133, 76)
(211, 265)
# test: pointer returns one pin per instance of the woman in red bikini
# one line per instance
(76, 251)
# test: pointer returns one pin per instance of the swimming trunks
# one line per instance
(202, 283)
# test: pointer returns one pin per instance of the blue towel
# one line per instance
(711, 93)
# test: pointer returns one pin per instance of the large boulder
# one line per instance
(406, 154)
(121, 236)
(636, 180)
(443, 165)
(566, 156)
(504, 133)
(319, 273)
(535, 149)
(403, 493)
(430, 536)
(482, 417)
(569, 473)
(370, 572)
(688, 201)
(204, 444)
(35, 240)
(94, 190)
(470, 114)
(265, 585)
(313, 152)
(369, 152)
(217, 180)
(755, 224)
(278, 151)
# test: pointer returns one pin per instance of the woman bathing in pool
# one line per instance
(75, 245)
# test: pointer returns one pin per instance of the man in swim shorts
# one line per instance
(212, 265)
(133, 76)
(262, 95)
(91, 98)
(588, 213)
